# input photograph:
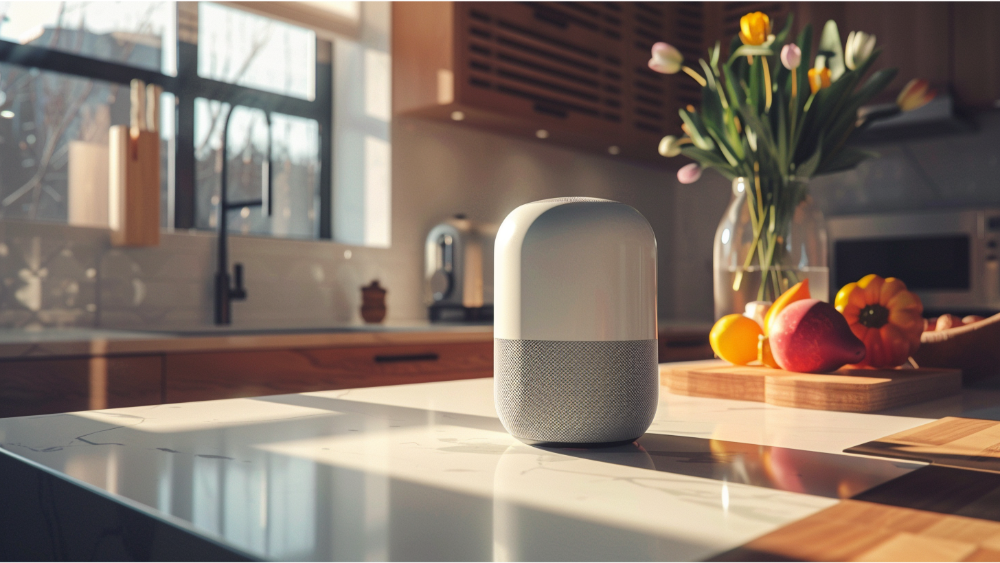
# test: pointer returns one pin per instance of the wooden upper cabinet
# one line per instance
(975, 70)
(572, 73)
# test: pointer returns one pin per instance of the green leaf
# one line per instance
(863, 67)
(804, 43)
(782, 36)
(697, 132)
(711, 109)
(709, 75)
(720, 143)
(751, 50)
(830, 41)
(714, 56)
(755, 94)
(765, 138)
(845, 159)
(829, 100)
(873, 86)
(808, 168)
(709, 160)
(782, 129)
(845, 120)
(737, 96)
(734, 44)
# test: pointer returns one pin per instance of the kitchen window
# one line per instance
(65, 68)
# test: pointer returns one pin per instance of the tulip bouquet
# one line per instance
(765, 118)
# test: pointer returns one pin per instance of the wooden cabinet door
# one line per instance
(46, 386)
(222, 375)
(976, 53)
(572, 73)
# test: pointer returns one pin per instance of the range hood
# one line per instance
(935, 119)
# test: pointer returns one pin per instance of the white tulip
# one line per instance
(858, 48)
(670, 146)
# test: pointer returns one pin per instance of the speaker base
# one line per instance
(578, 393)
(577, 445)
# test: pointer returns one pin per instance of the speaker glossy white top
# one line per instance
(575, 269)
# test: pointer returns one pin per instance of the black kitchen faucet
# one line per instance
(224, 294)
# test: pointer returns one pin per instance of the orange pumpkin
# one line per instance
(885, 316)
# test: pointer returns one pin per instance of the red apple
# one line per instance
(811, 336)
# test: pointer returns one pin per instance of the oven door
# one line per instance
(940, 256)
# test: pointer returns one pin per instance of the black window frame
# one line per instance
(186, 87)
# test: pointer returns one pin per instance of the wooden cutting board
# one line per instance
(856, 530)
(967, 443)
(850, 390)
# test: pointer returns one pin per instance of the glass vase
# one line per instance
(771, 237)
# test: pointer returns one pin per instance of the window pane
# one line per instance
(246, 49)
(141, 34)
(54, 145)
(295, 170)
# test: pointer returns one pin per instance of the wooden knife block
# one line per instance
(134, 186)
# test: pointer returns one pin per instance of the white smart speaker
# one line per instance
(575, 349)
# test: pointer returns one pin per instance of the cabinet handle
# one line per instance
(389, 358)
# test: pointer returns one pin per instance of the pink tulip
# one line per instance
(791, 56)
(689, 173)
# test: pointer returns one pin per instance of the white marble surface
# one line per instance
(426, 472)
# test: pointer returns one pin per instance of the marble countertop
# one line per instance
(426, 471)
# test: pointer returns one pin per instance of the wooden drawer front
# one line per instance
(223, 375)
(33, 387)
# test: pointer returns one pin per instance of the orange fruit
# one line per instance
(734, 339)
(794, 293)
(764, 353)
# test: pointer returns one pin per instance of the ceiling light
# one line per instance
(6, 114)
(458, 115)
(542, 134)
(614, 150)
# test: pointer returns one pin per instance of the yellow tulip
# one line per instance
(819, 78)
(755, 27)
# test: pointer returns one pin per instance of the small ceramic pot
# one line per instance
(373, 303)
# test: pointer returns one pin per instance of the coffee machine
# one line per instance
(458, 273)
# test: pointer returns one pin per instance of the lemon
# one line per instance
(734, 339)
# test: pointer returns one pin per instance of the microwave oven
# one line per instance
(947, 257)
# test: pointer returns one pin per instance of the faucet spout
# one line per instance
(224, 293)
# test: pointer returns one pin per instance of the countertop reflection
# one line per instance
(426, 471)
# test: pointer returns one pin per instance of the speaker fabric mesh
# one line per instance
(575, 392)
